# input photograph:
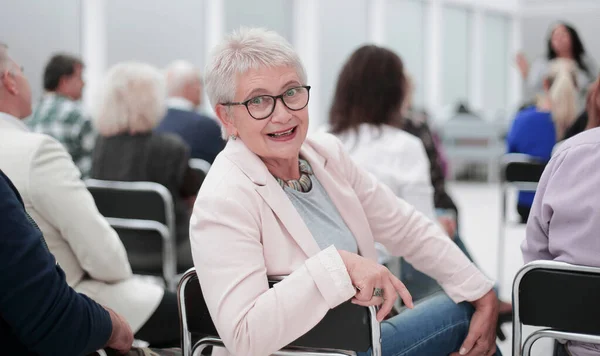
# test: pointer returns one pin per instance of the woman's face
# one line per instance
(561, 41)
(280, 135)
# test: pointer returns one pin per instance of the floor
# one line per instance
(479, 205)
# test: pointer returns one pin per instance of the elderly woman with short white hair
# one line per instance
(130, 106)
(278, 203)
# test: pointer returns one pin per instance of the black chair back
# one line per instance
(346, 327)
(562, 300)
(523, 172)
(132, 200)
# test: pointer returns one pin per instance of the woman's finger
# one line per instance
(389, 298)
(402, 290)
(365, 291)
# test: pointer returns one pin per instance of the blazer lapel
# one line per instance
(273, 195)
(345, 200)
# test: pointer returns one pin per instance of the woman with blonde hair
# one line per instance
(131, 105)
(536, 129)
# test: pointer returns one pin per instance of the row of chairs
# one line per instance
(559, 297)
(143, 215)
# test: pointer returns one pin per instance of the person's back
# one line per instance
(60, 115)
(564, 223)
(397, 159)
(184, 90)
(201, 133)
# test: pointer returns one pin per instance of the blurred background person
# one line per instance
(536, 129)
(89, 251)
(201, 133)
(59, 113)
(367, 114)
(130, 106)
(563, 42)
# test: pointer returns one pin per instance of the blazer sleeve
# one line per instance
(61, 197)
(406, 232)
(253, 319)
(43, 312)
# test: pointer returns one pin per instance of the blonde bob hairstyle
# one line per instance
(131, 100)
(562, 92)
(241, 51)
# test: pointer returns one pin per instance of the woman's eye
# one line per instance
(291, 92)
(256, 101)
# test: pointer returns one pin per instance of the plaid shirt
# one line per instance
(63, 119)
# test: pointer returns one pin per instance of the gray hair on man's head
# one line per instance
(179, 73)
(132, 99)
(242, 50)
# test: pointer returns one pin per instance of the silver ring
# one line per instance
(377, 292)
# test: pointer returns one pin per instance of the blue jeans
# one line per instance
(436, 327)
(419, 284)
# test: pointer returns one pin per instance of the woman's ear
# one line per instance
(226, 117)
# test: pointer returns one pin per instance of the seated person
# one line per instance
(201, 133)
(131, 105)
(276, 203)
(374, 139)
(59, 112)
(39, 313)
(564, 223)
(87, 248)
(535, 130)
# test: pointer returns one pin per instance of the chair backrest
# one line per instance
(142, 214)
(133, 200)
(559, 296)
(522, 168)
(347, 327)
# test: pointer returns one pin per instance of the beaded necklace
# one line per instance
(304, 184)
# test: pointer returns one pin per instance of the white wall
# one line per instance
(447, 64)
(34, 30)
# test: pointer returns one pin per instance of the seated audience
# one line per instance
(535, 130)
(88, 249)
(39, 313)
(564, 223)
(58, 113)
(131, 105)
(201, 133)
(277, 203)
(374, 138)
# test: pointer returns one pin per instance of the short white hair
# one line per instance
(179, 73)
(132, 99)
(5, 60)
(242, 50)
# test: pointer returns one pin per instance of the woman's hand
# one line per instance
(366, 275)
(523, 65)
(481, 339)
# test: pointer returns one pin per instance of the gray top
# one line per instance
(563, 225)
(322, 217)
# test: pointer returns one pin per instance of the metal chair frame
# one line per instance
(197, 348)
(166, 231)
(524, 349)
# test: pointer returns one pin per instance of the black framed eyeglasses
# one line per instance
(262, 106)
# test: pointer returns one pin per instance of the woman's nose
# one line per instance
(281, 114)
